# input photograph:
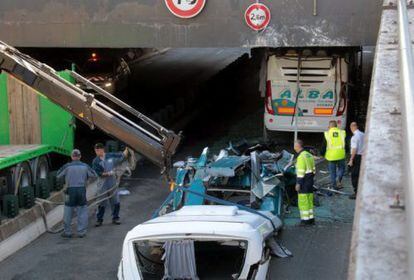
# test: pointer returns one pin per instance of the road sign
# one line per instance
(185, 8)
(257, 16)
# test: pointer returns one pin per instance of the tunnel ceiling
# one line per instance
(149, 23)
(183, 66)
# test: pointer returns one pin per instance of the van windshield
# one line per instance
(157, 259)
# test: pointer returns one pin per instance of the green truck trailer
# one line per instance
(33, 131)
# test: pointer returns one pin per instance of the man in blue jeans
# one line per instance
(76, 175)
(104, 165)
(335, 153)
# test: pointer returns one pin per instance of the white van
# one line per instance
(323, 93)
(203, 242)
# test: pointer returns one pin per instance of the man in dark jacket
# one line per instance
(76, 174)
(104, 165)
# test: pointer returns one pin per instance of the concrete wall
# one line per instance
(148, 23)
(379, 247)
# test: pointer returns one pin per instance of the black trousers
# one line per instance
(306, 184)
(355, 172)
(75, 196)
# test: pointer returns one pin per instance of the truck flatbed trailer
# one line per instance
(13, 154)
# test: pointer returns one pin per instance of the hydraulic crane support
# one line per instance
(148, 138)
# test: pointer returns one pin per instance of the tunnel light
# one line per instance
(94, 57)
(108, 85)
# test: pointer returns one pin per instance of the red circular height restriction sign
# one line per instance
(257, 16)
(185, 8)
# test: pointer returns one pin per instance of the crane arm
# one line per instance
(96, 109)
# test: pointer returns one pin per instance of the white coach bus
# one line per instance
(322, 95)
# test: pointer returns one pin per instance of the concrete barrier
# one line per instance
(18, 232)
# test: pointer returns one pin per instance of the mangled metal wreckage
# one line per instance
(219, 222)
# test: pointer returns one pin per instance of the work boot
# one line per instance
(81, 235)
(98, 223)
(352, 196)
(65, 235)
(339, 185)
(311, 222)
(116, 221)
(303, 223)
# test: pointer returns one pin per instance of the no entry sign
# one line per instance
(185, 8)
(257, 16)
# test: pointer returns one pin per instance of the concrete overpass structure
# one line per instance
(149, 23)
(382, 243)
(379, 248)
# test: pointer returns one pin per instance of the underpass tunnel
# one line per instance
(197, 91)
(207, 93)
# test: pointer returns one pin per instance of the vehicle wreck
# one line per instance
(229, 206)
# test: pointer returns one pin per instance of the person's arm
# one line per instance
(354, 146)
(92, 173)
(61, 172)
(300, 173)
(118, 157)
(97, 168)
(125, 153)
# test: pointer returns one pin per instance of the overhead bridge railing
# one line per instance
(97, 108)
(407, 100)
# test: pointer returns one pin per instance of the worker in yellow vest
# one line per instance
(335, 153)
(305, 173)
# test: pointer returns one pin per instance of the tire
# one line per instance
(41, 168)
(26, 178)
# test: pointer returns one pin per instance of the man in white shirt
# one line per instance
(357, 150)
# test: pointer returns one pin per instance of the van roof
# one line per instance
(208, 220)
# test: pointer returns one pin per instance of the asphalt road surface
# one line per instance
(320, 252)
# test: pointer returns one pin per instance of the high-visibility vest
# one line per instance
(305, 164)
(335, 144)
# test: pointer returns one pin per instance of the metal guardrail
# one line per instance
(407, 104)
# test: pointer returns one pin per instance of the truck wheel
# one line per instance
(41, 168)
(22, 176)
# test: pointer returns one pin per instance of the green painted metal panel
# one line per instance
(57, 125)
(4, 112)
